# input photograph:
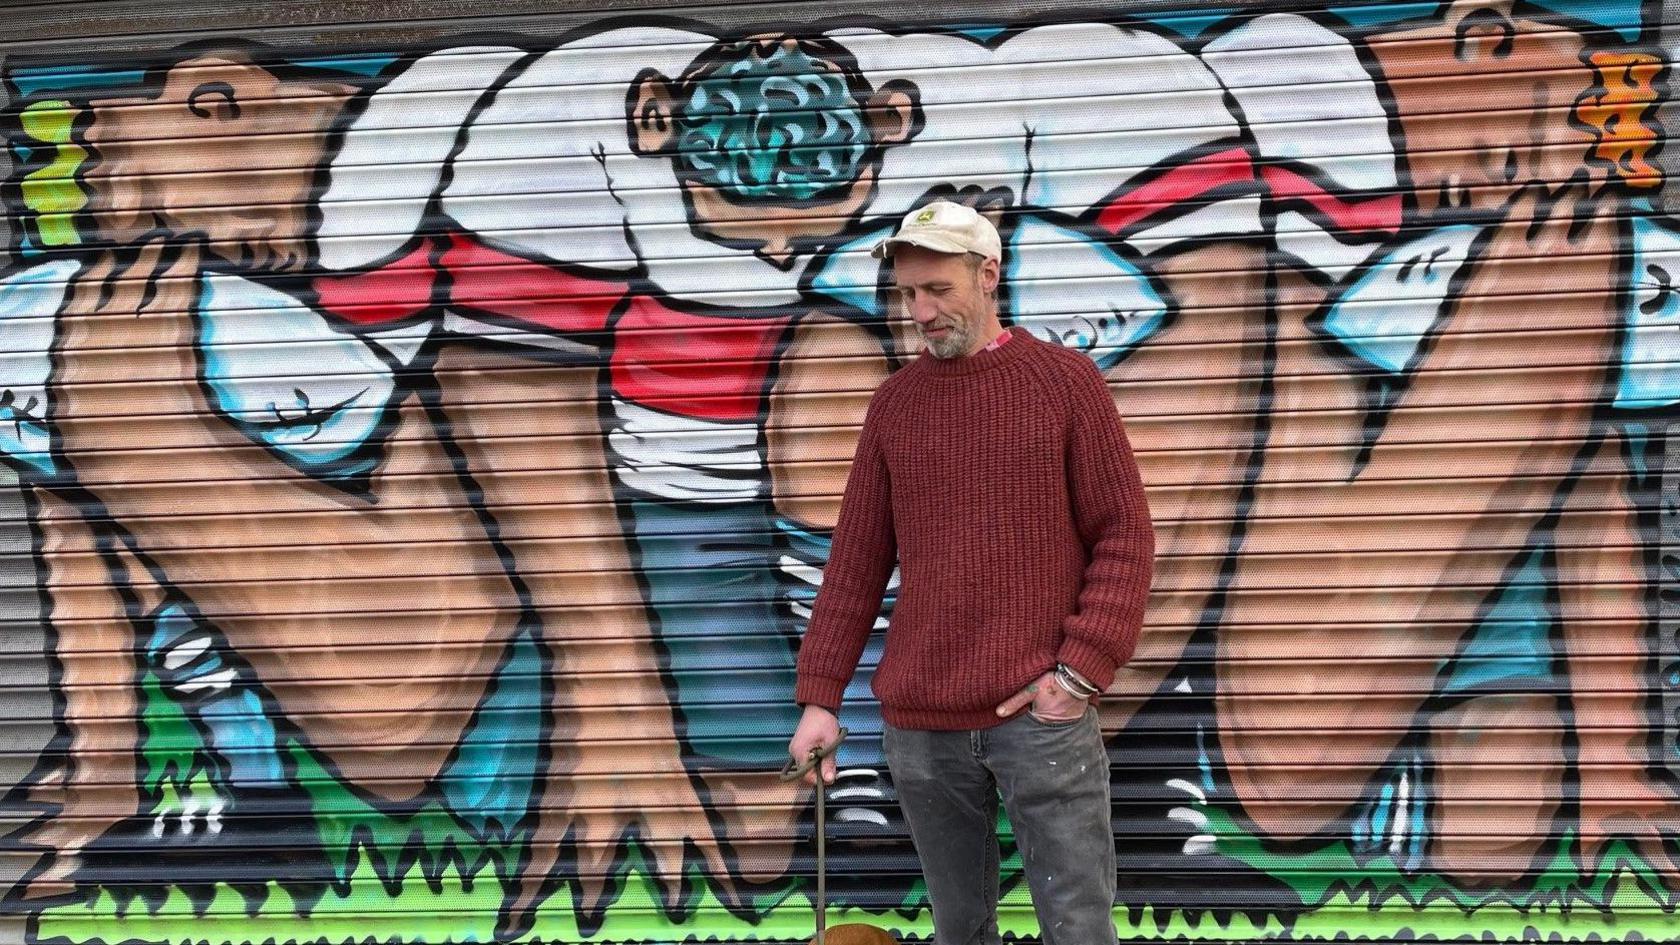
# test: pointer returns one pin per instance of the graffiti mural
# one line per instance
(430, 455)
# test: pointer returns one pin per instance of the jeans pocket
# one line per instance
(1056, 723)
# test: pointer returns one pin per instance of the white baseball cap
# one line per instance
(944, 227)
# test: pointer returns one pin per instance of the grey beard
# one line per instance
(953, 345)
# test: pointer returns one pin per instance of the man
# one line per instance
(998, 470)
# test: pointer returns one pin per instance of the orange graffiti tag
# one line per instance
(1619, 115)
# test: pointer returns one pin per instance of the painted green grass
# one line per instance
(452, 890)
(1369, 901)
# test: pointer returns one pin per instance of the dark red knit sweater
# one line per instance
(1005, 486)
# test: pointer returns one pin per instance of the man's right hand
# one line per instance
(817, 727)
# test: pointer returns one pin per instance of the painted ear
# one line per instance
(649, 109)
(1482, 29)
(895, 112)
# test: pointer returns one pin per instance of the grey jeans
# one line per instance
(1053, 778)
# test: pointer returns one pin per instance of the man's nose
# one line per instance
(923, 311)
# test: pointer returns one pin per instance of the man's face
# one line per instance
(949, 298)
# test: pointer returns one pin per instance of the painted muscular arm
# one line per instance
(95, 784)
(1191, 396)
(376, 649)
(1385, 560)
(531, 436)
(1606, 567)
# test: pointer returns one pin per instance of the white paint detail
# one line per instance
(1236, 217)
(1317, 247)
(1200, 844)
(271, 361)
(677, 457)
(854, 815)
(1188, 787)
(217, 681)
(186, 652)
(30, 300)
(407, 146)
(1290, 97)
(1402, 801)
(1186, 815)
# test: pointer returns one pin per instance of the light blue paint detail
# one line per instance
(490, 780)
(1638, 435)
(1377, 831)
(60, 79)
(1650, 375)
(1380, 813)
(1377, 14)
(369, 64)
(1384, 314)
(863, 711)
(237, 727)
(24, 152)
(850, 275)
(291, 380)
(980, 34)
(243, 736)
(1512, 644)
(1072, 290)
(1204, 763)
(1623, 16)
(1188, 25)
(29, 303)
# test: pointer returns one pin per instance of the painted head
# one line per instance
(945, 258)
(775, 140)
(1554, 107)
(226, 146)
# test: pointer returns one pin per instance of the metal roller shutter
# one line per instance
(423, 425)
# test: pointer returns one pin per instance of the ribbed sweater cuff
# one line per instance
(1089, 661)
(824, 691)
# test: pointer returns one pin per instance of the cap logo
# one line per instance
(926, 216)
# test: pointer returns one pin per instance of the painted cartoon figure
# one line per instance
(232, 625)
(531, 369)
(1417, 339)
(337, 438)
(694, 315)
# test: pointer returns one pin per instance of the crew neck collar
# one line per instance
(1012, 350)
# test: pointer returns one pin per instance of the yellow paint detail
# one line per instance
(51, 191)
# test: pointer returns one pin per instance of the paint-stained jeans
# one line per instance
(1053, 778)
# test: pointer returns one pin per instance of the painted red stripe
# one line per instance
(395, 291)
(490, 280)
(1185, 182)
(695, 365)
(1375, 214)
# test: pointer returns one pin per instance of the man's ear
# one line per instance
(649, 109)
(990, 274)
(894, 112)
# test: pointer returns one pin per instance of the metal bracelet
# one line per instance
(1062, 682)
(1073, 682)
